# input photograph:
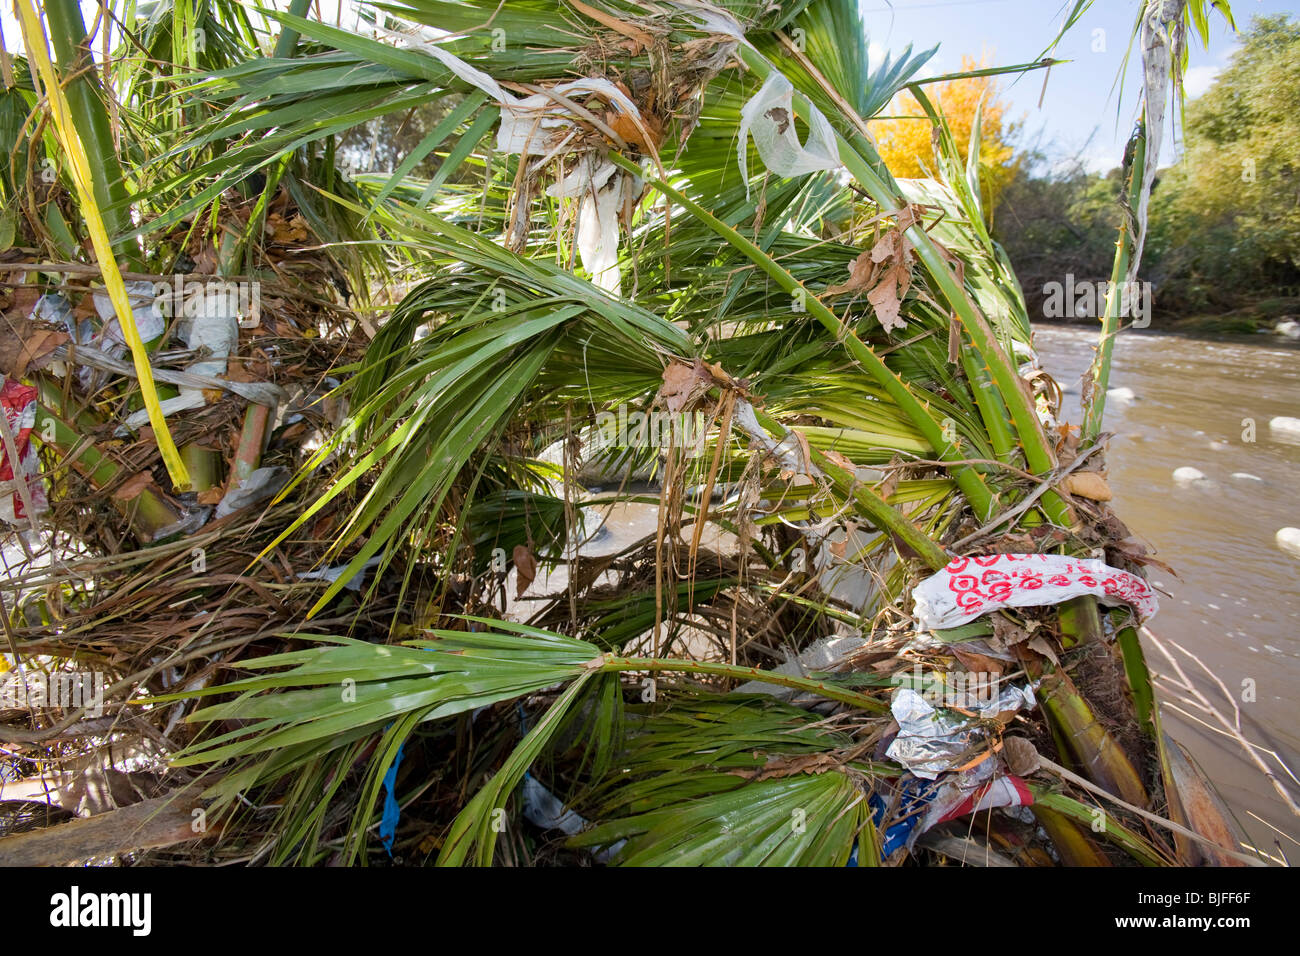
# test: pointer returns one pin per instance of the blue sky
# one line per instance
(1078, 116)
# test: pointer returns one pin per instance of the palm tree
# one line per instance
(666, 212)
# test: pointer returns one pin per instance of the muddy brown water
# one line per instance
(1235, 603)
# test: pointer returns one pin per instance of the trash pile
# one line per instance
(376, 623)
(109, 568)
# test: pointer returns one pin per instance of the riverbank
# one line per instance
(1279, 316)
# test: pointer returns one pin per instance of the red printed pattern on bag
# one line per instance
(986, 583)
(18, 402)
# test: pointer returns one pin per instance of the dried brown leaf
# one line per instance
(132, 487)
(791, 766)
(889, 484)
(1088, 484)
(1006, 630)
(975, 662)
(862, 272)
(22, 302)
(1043, 646)
(525, 568)
(641, 39)
(682, 385)
(1022, 543)
(838, 459)
(1021, 756)
(211, 496)
(886, 272)
(781, 117)
(37, 347)
(631, 131)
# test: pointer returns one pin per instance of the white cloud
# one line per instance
(930, 70)
(1199, 79)
(1102, 159)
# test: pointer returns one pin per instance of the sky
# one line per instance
(1080, 116)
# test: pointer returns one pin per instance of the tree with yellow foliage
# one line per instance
(905, 137)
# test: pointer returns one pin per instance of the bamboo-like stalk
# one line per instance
(204, 466)
(84, 181)
(1098, 375)
(1218, 840)
(1091, 745)
(148, 512)
(1071, 842)
(1139, 682)
(993, 410)
(251, 439)
(85, 98)
(1132, 843)
(288, 38)
(1081, 620)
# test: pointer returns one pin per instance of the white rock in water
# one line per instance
(1288, 426)
(1288, 327)
(1121, 394)
(1246, 476)
(1288, 539)
(1188, 475)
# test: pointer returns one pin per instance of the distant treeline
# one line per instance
(1225, 220)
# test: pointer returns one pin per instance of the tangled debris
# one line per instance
(876, 607)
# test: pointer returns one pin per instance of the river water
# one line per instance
(1235, 602)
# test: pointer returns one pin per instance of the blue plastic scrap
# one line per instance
(392, 809)
(916, 795)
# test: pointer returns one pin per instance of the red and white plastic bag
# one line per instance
(19, 404)
(970, 587)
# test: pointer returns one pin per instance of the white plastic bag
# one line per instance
(969, 587)
(769, 118)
